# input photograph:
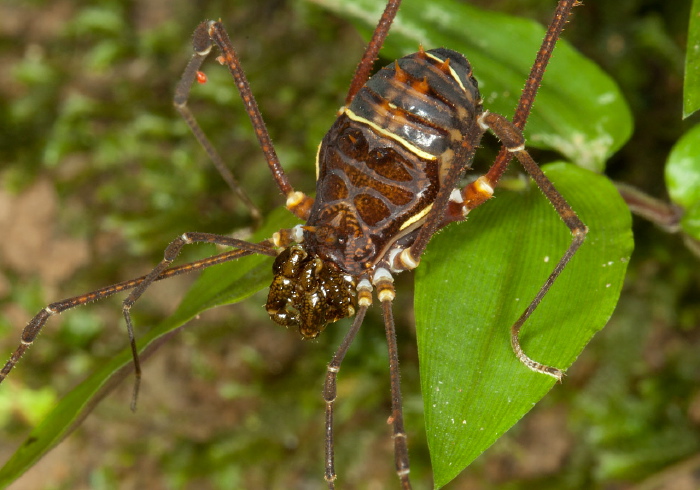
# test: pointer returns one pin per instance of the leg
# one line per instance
(182, 95)
(33, 328)
(445, 210)
(364, 301)
(206, 33)
(534, 80)
(330, 392)
(375, 44)
(512, 139)
(479, 191)
(386, 293)
(171, 253)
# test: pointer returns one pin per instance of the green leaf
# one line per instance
(475, 281)
(682, 171)
(579, 111)
(224, 284)
(691, 82)
(682, 174)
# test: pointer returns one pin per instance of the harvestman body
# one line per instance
(388, 174)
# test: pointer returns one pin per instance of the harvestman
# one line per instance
(388, 174)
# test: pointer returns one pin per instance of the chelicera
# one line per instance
(388, 178)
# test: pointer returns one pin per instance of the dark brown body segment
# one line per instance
(382, 163)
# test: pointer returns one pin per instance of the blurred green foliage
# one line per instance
(85, 108)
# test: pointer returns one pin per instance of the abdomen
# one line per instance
(381, 164)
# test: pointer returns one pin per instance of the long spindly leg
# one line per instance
(364, 67)
(213, 32)
(481, 190)
(171, 253)
(471, 196)
(182, 95)
(33, 328)
(513, 140)
(364, 301)
(206, 32)
(449, 204)
(384, 283)
(534, 80)
(330, 389)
